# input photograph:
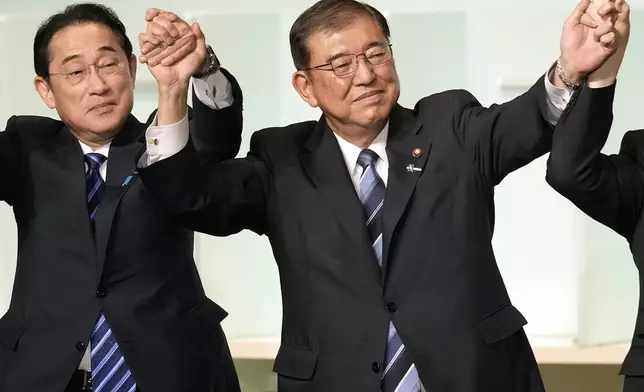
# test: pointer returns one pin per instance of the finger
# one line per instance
(171, 16)
(610, 48)
(588, 21)
(200, 50)
(602, 29)
(174, 53)
(160, 32)
(147, 42)
(166, 24)
(607, 9)
(201, 38)
(155, 52)
(151, 13)
(147, 48)
(607, 39)
(624, 11)
(575, 17)
(179, 53)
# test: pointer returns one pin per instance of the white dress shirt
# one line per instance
(350, 153)
(215, 91)
(104, 150)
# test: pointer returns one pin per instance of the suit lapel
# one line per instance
(405, 168)
(326, 168)
(121, 174)
(68, 155)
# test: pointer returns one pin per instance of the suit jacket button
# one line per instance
(80, 346)
(391, 307)
(101, 294)
(375, 366)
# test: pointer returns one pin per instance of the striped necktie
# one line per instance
(399, 374)
(109, 371)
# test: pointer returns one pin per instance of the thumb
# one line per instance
(196, 29)
(201, 40)
(578, 12)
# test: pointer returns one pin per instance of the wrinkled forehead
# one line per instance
(83, 43)
(357, 36)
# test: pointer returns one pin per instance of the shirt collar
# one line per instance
(103, 150)
(350, 152)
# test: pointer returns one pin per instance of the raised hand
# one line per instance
(586, 43)
(619, 15)
(172, 49)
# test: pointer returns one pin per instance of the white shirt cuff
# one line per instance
(214, 91)
(162, 142)
(557, 98)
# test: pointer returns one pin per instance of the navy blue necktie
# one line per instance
(399, 374)
(109, 370)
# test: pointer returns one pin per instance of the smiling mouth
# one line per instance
(102, 106)
(367, 95)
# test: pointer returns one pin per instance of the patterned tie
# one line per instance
(109, 371)
(399, 374)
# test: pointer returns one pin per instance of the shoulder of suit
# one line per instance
(27, 126)
(632, 145)
(294, 134)
(458, 99)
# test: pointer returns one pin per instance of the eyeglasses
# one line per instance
(348, 64)
(80, 75)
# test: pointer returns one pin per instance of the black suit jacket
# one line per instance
(138, 269)
(609, 188)
(441, 285)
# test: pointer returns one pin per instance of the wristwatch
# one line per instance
(210, 66)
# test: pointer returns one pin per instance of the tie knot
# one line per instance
(367, 157)
(95, 160)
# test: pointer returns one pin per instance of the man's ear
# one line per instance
(44, 90)
(132, 68)
(304, 86)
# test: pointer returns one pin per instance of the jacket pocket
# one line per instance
(633, 364)
(295, 363)
(206, 316)
(500, 324)
(11, 330)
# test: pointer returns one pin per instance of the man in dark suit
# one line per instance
(381, 217)
(609, 188)
(107, 295)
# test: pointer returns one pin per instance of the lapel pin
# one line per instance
(412, 168)
(127, 181)
(417, 152)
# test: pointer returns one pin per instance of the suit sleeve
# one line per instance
(216, 198)
(215, 132)
(608, 188)
(503, 138)
(9, 159)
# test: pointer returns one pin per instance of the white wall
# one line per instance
(560, 268)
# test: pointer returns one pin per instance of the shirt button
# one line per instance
(80, 346)
(101, 294)
(391, 307)
(375, 366)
